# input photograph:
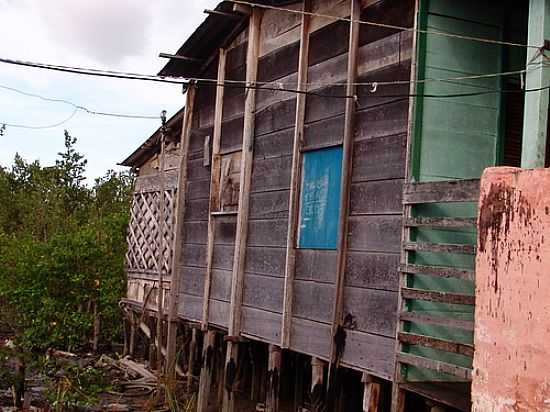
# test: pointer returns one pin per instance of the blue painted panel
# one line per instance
(320, 199)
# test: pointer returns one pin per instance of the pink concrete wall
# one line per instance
(512, 318)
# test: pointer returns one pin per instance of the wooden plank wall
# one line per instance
(371, 282)
(225, 225)
(195, 220)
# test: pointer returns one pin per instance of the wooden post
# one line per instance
(179, 211)
(207, 368)
(535, 119)
(294, 201)
(371, 395)
(244, 199)
(347, 159)
(160, 245)
(215, 175)
(191, 364)
(273, 379)
(317, 388)
(398, 394)
(97, 328)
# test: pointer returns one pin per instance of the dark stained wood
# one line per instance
(442, 192)
(439, 366)
(276, 117)
(456, 395)
(196, 210)
(223, 256)
(265, 261)
(329, 41)
(309, 337)
(441, 297)
(232, 134)
(436, 343)
(439, 271)
(274, 144)
(224, 230)
(316, 265)
(385, 12)
(279, 63)
(373, 270)
(263, 292)
(194, 255)
(198, 189)
(195, 232)
(269, 205)
(380, 158)
(375, 233)
(369, 352)
(324, 133)
(377, 197)
(382, 120)
(313, 301)
(192, 280)
(196, 170)
(327, 102)
(218, 313)
(271, 174)
(264, 325)
(190, 307)
(220, 288)
(267, 232)
(372, 311)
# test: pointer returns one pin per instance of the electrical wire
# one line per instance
(76, 106)
(384, 25)
(51, 126)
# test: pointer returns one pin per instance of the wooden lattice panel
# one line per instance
(144, 241)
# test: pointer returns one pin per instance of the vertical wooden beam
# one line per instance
(535, 118)
(371, 395)
(160, 246)
(398, 394)
(207, 368)
(215, 174)
(244, 199)
(273, 379)
(318, 401)
(191, 359)
(179, 212)
(294, 201)
(347, 159)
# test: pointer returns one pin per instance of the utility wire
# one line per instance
(50, 126)
(384, 25)
(76, 106)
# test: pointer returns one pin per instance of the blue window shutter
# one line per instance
(320, 199)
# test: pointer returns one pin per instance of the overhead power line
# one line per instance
(50, 126)
(384, 25)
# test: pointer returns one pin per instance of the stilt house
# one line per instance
(319, 232)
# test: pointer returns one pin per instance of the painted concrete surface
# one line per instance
(512, 317)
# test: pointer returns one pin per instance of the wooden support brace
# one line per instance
(215, 174)
(207, 369)
(244, 200)
(179, 211)
(371, 395)
(273, 379)
(318, 398)
(294, 201)
(347, 159)
(160, 245)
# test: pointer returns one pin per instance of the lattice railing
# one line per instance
(144, 241)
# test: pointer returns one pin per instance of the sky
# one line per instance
(121, 35)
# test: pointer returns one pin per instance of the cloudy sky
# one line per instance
(122, 35)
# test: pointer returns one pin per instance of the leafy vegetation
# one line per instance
(62, 247)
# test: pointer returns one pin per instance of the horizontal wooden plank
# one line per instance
(276, 117)
(369, 352)
(436, 343)
(435, 296)
(220, 288)
(190, 307)
(442, 192)
(437, 320)
(263, 292)
(313, 301)
(442, 222)
(271, 174)
(196, 210)
(309, 337)
(439, 271)
(269, 205)
(372, 270)
(379, 158)
(440, 247)
(265, 261)
(324, 133)
(262, 324)
(225, 229)
(232, 134)
(151, 183)
(192, 280)
(374, 233)
(194, 255)
(316, 265)
(267, 232)
(223, 257)
(218, 312)
(371, 311)
(198, 189)
(439, 366)
(275, 144)
(377, 197)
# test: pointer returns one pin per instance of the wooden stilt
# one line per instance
(191, 359)
(132, 343)
(220, 371)
(273, 379)
(317, 385)
(371, 395)
(207, 368)
(298, 383)
(230, 376)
